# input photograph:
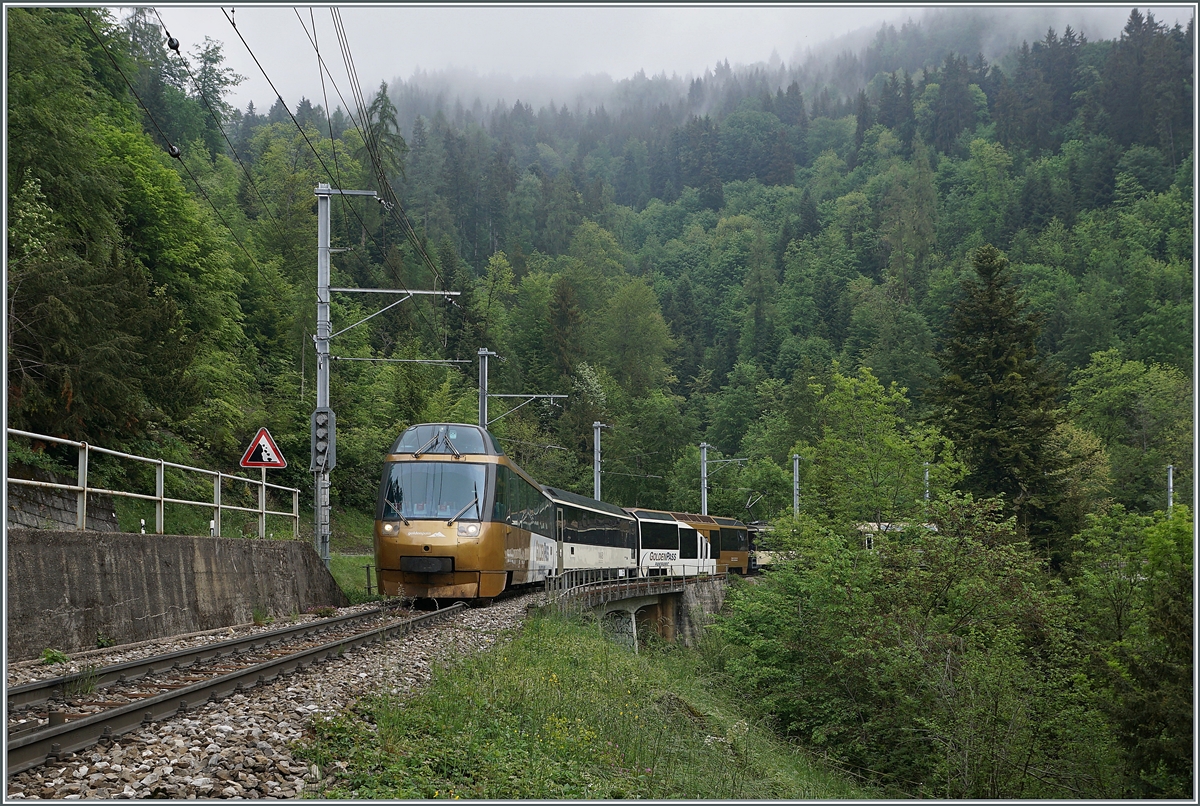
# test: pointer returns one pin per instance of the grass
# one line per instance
(348, 572)
(562, 712)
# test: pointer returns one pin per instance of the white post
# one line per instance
(159, 508)
(703, 478)
(927, 482)
(1170, 487)
(321, 477)
(262, 506)
(596, 460)
(483, 387)
(795, 485)
(217, 506)
(81, 496)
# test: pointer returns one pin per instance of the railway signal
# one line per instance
(323, 439)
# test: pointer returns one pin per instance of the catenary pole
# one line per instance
(596, 426)
(795, 485)
(483, 386)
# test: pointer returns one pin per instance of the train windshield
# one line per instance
(429, 490)
(440, 439)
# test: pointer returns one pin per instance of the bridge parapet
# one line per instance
(590, 588)
(661, 603)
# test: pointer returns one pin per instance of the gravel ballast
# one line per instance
(240, 747)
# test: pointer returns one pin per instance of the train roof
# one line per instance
(438, 437)
(730, 522)
(583, 502)
(692, 517)
(652, 515)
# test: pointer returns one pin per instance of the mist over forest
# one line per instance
(991, 32)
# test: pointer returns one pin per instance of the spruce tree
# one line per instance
(996, 401)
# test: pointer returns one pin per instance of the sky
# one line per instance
(393, 42)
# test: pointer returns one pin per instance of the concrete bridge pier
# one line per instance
(657, 613)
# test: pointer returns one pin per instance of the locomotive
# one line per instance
(457, 518)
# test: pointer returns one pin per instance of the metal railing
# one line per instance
(591, 586)
(82, 489)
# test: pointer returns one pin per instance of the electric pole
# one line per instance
(596, 426)
(323, 423)
(704, 446)
(795, 485)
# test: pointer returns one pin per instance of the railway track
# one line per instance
(98, 705)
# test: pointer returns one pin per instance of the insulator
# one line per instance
(174, 152)
(173, 44)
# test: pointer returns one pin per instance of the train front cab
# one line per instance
(436, 534)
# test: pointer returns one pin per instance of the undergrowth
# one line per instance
(560, 712)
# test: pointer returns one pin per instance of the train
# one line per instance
(456, 518)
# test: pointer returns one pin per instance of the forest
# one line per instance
(960, 292)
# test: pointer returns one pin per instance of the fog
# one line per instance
(573, 55)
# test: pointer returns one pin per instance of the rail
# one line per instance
(81, 488)
(592, 586)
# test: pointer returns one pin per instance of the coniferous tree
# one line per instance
(996, 400)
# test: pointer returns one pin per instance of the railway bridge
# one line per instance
(676, 608)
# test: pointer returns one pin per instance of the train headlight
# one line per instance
(468, 529)
(389, 528)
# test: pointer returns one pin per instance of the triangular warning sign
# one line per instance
(263, 452)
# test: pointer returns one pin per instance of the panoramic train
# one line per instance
(456, 518)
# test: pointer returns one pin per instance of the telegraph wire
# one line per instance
(172, 149)
(317, 154)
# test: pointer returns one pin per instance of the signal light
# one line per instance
(323, 439)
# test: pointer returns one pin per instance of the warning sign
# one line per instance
(263, 452)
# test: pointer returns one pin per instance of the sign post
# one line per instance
(263, 453)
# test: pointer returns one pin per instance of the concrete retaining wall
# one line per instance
(66, 587)
(46, 508)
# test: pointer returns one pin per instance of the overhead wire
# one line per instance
(370, 143)
(397, 211)
(220, 124)
(320, 160)
(172, 149)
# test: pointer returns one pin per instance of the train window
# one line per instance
(688, 544)
(660, 535)
(432, 490)
(733, 539)
(500, 507)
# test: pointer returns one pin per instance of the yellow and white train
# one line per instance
(457, 518)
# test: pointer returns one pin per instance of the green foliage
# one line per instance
(868, 465)
(1142, 415)
(996, 400)
(940, 661)
(1133, 578)
(561, 711)
(261, 617)
(52, 656)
